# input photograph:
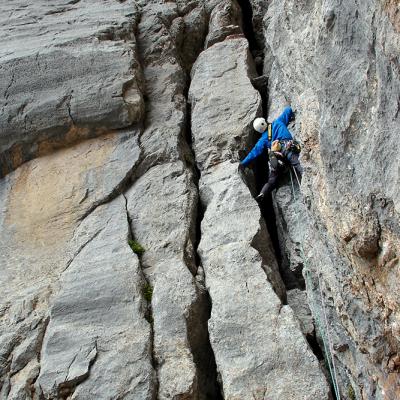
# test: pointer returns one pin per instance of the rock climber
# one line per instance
(282, 149)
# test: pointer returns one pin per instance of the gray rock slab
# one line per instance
(162, 207)
(219, 86)
(98, 343)
(63, 65)
(297, 300)
(27, 350)
(43, 201)
(334, 63)
(225, 20)
(259, 349)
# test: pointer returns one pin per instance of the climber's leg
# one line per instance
(270, 185)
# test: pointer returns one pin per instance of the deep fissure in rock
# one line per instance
(248, 30)
(198, 335)
(261, 170)
(316, 348)
(148, 311)
(260, 165)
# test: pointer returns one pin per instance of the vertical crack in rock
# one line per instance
(246, 312)
(260, 167)
(260, 83)
(32, 384)
(184, 359)
(249, 32)
(248, 29)
(148, 312)
(269, 208)
(197, 321)
(292, 281)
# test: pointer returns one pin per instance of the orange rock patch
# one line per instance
(51, 193)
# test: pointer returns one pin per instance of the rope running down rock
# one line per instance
(323, 327)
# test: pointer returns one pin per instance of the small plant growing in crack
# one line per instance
(147, 292)
(351, 393)
(136, 247)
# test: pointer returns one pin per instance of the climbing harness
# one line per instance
(276, 146)
(323, 327)
(294, 146)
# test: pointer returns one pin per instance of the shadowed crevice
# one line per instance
(197, 322)
(261, 171)
(148, 311)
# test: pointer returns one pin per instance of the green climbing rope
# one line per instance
(324, 334)
(326, 340)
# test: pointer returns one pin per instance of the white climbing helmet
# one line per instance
(260, 125)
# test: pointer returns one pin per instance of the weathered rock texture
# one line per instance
(338, 65)
(59, 271)
(100, 147)
(69, 71)
(249, 325)
(98, 313)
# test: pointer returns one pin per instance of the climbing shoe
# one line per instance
(260, 197)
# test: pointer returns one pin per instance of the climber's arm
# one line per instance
(256, 151)
(286, 116)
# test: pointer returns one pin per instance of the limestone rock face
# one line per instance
(69, 70)
(44, 204)
(98, 313)
(336, 64)
(122, 124)
(248, 324)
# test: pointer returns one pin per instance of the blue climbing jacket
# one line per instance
(279, 132)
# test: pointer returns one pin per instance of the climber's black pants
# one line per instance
(272, 182)
(274, 174)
